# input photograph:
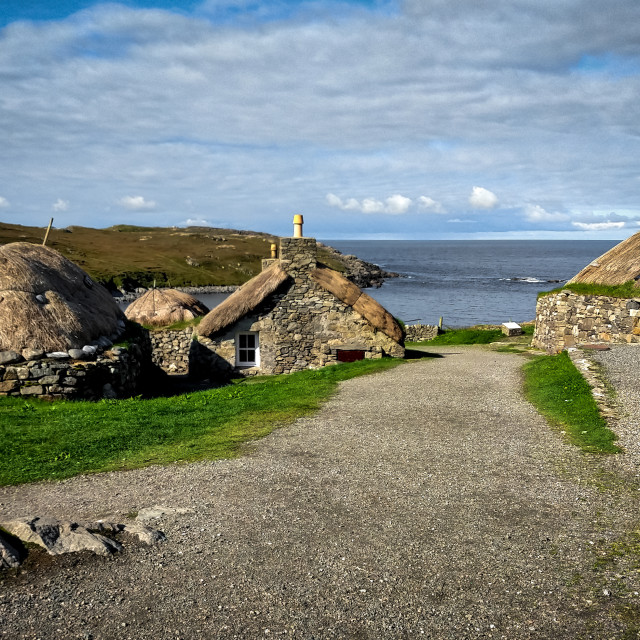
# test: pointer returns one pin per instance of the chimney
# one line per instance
(298, 254)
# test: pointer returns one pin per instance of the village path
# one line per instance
(427, 501)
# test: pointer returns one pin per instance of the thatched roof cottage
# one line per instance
(296, 314)
(163, 307)
(47, 302)
(57, 328)
(567, 319)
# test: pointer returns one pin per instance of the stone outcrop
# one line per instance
(59, 537)
(567, 319)
(362, 273)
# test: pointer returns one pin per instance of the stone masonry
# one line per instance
(420, 332)
(171, 349)
(110, 372)
(301, 326)
(566, 319)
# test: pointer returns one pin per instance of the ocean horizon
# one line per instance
(469, 282)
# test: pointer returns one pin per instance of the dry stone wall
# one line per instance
(566, 319)
(420, 332)
(109, 372)
(171, 349)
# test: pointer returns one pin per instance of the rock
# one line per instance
(144, 534)
(9, 357)
(9, 385)
(77, 354)
(108, 392)
(60, 537)
(58, 355)
(89, 349)
(32, 354)
(10, 557)
(104, 342)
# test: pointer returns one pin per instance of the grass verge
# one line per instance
(51, 441)
(560, 393)
(625, 290)
(470, 335)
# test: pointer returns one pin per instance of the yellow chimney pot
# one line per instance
(297, 226)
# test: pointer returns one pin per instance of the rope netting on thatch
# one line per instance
(47, 302)
(243, 300)
(371, 310)
(616, 266)
(163, 307)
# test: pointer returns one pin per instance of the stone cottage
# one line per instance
(57, 328)
(566, 318)
(296, 314)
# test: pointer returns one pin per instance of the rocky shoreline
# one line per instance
(362, 273)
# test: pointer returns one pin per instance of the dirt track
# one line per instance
(427, 501)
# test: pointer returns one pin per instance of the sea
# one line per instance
(466, 282)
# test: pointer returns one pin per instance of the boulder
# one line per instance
(10, 557)
(60, 537)
(9, 357)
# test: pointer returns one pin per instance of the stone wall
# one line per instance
(300, 326)
(171, 349)
(109, 372)
(567, 319)
(420, 332)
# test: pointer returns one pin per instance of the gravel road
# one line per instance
(427, 501)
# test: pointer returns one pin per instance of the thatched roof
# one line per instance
(371, 310)
(162, 307)
(47, 302)
(616, 266)
(243, 300)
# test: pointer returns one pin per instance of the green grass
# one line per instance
(472, 335)
(50, 441)
(626, 290)
(560, 393)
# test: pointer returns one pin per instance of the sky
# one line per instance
(398, 119)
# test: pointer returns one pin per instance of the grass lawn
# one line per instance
(54, 440)
(560, 393)
(471, 335)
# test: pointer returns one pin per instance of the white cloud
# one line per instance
(196, 222)
(136, 203)
(536, 213)
(490, 93)
(482, 198)
(598, 226)
(4, 203)
(60, 205)
(425, 202)
(395, 205)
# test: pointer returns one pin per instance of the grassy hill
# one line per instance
(130, 256)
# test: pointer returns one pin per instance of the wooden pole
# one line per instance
(46, 235)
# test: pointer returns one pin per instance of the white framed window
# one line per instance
(247, 349)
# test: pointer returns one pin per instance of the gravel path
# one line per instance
(622, 370)
(428, 501)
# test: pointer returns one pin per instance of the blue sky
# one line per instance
(374, 119)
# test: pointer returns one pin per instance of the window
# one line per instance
(247, 350)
